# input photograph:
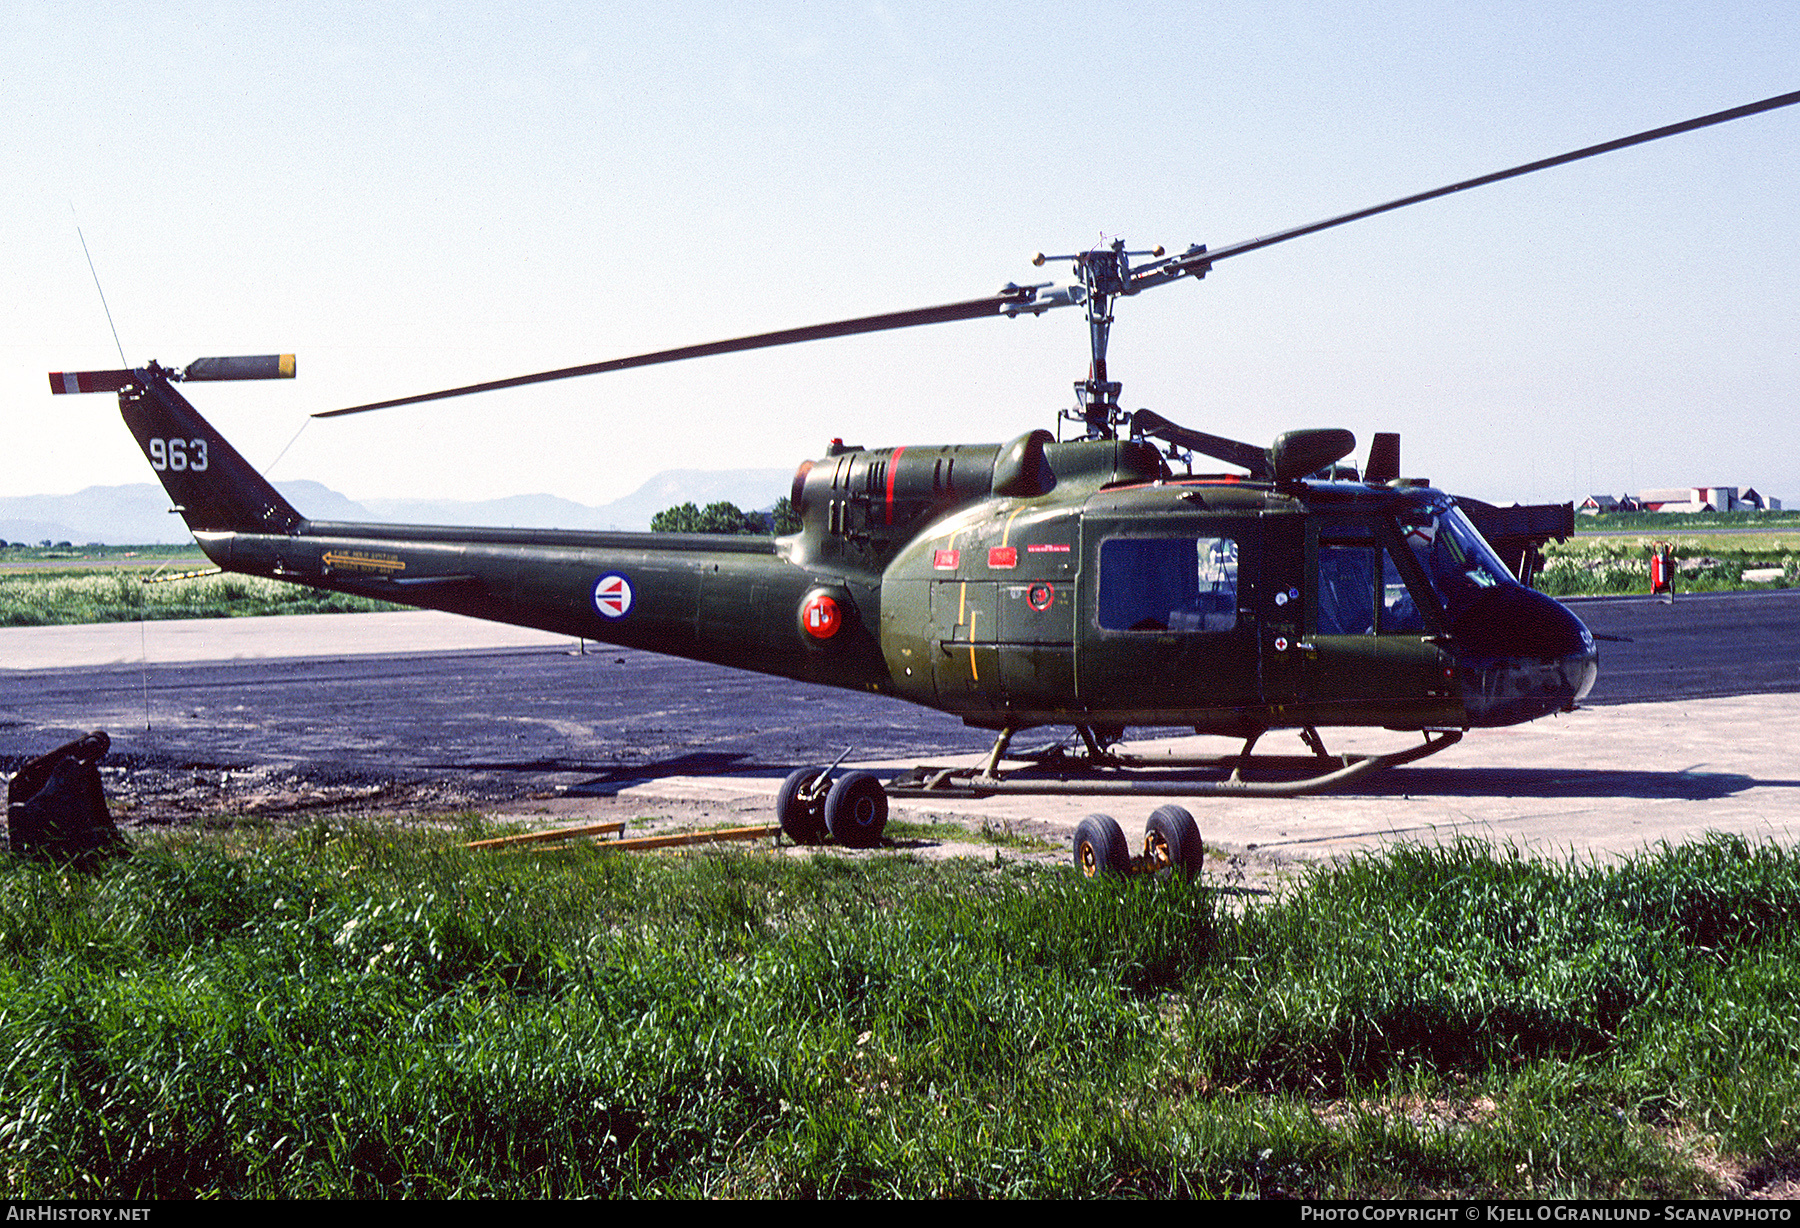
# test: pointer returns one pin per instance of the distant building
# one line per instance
(1706, 499)
(1689, 499)
(1595, 505)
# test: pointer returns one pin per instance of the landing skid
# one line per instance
(1099, 771)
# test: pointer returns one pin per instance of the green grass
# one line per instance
(1664, 523)
(376, 1012)
(39, 597)
(14, 554)
(1586, 565)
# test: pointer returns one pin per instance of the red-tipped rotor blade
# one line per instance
(91, 381)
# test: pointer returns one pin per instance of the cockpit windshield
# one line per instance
(1455, 556)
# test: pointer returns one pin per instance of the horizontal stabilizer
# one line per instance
(91, 381)
(257, 366)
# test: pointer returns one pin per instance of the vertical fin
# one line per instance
(212, 485)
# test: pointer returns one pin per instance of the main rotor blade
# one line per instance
(1195, 261)
(1175, 266)
(971, 309)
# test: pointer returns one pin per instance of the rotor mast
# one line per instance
(1105, 274)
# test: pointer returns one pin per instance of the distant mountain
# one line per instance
(754, 490)
(538, 511)
(320, 502)
(139, 514)
(751, 489)
(116, 515)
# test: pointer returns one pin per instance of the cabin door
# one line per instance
(1168, 624)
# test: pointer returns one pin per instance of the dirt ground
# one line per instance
(146, 798)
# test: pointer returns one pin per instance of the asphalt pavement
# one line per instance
(1698, 645)
(1692, 727)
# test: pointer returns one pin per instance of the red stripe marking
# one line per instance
(89, 381)
(893, 472)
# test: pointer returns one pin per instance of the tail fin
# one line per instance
(213, 486)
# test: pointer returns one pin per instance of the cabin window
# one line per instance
(1182, 584)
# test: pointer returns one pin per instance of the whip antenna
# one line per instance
(96, 276)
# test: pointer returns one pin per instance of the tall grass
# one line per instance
(1602, 565)
(375, 1012)
(39, 598)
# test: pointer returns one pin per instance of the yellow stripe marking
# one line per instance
(362, 562)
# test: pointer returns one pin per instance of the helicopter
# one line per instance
(1083, 583)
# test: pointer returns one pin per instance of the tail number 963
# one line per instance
(177, 454)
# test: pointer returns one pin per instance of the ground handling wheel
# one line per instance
(856, 810)
(1172, 843)
(800, 806)
(1100, 847)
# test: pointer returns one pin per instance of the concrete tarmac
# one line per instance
(503, 713)
(1596, 782)
(185, 640)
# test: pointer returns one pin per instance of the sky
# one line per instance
(412, 196)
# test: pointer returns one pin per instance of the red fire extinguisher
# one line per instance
(1662, 570)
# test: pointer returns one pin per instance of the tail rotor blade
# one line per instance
(91, 381)
(258, 366)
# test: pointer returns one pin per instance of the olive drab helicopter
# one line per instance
(1084, 582)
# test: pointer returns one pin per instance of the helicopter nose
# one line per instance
(1522, 655)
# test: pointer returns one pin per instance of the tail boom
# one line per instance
(736, 601)
(732, 601)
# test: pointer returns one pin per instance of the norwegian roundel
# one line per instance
(612, 596)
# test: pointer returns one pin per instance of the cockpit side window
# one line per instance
(1361, 591)
(1184, 584)
(1399, 612)
(1346, 594)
